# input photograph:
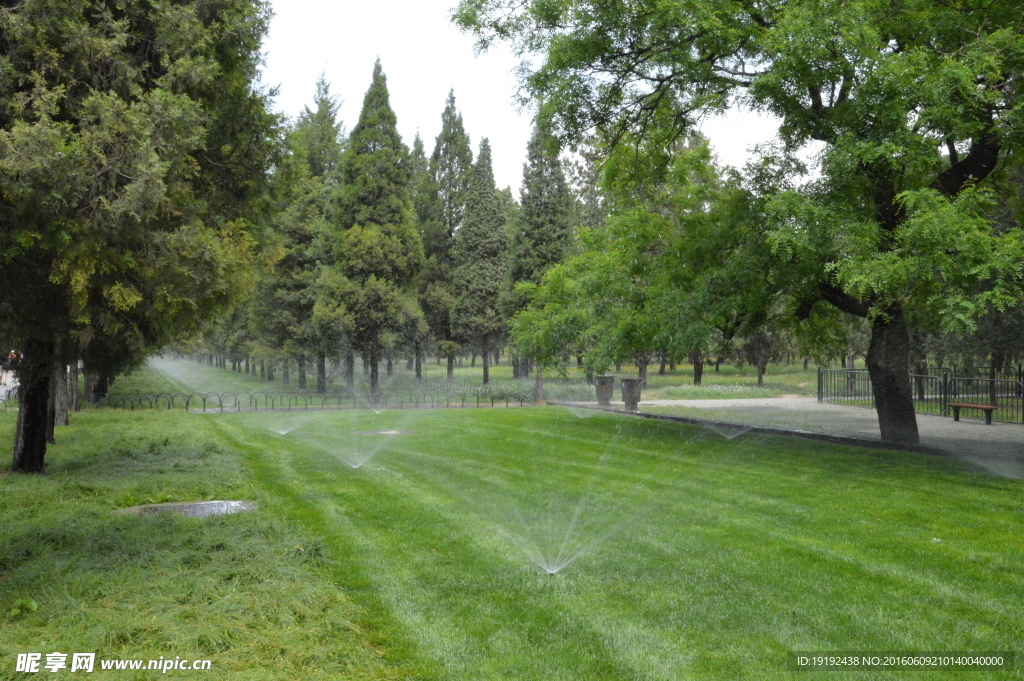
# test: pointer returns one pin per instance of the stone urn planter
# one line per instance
(605, 386)
(631, 393)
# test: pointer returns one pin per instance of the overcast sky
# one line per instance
(424, 56)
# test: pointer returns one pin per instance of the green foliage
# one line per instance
(376, 249)
(319, 135)
(670, 271)
(375, 167)
(134, 150)
(916, 109)
(480, 247)
(542, 234)
(451, 164)
(281, 313)
(23, 606)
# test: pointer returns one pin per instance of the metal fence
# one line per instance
(265, 401)
(932, 394)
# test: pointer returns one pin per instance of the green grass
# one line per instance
(718, 556)
(251, 592)
(703, 558)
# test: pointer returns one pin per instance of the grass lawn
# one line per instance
(683, 555)
(253, 592)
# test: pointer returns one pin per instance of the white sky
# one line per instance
(424, 56)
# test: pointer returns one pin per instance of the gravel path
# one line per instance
(998, 448)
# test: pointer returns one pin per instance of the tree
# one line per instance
(376, 249)
(134, 150)
(303, 185)
(916, 105)
(427, 207)
(480, 260)
(450, 166)
(541, 235)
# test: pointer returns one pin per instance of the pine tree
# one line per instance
(303, 182)
(450, 167)
(480, 258)
(542, 233)
(318, 132)
(423, 192)
(427, 208)
(377, 250)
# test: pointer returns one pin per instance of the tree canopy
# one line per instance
(377, 249)
(916, 105)
(134, 153)
(480, 247)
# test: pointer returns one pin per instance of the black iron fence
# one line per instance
(268, 401)
(476, 397)
(932, 394)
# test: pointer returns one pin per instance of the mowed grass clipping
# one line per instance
(251, 592)
(699, 557)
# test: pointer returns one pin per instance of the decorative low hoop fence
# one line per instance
(269, 401)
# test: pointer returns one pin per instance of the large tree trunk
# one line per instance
(34, 370)
(301, 361)
(419, 361)
(99, 391)
(698, 368)
(321, 373)
(451, 366)
(51, 407)
(374, 378)
(61, 395)
(285, 373)
(73, 399)
(485, 353)
(642, 360)
(350, 373)
(889, 367)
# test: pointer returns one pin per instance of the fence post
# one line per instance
(820, 395)
(944, 393)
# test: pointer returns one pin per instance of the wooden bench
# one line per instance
(987, 408)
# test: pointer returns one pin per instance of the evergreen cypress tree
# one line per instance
(423, 192)
(318, 132)
(450, 166)
(480, 258)
(427, 208)
(303, 184)
(377, 249)
(543, 231)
